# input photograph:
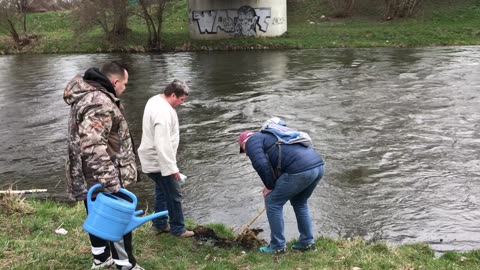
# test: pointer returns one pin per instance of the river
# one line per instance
(398, 127)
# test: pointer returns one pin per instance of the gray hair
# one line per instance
(177, 87)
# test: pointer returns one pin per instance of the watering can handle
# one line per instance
(129, 194)
(89, 194)
(122, 190)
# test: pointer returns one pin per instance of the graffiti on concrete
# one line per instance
(278, 20)
(238, 22)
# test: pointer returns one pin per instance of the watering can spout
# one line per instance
(137, 221)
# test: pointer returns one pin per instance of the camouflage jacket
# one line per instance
(100, 148)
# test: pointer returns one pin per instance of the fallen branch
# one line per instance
(28, 191)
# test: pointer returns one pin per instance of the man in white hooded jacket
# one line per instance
(158, 156)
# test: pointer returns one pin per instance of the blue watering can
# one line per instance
(111, 217)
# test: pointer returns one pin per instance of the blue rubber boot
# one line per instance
(270, 250)
(301, 247)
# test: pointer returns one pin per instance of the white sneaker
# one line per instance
(137, 267)
(97, 264)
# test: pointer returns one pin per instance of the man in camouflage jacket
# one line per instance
(100, 149)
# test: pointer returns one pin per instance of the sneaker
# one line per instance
(270, 250)
(136, 267)
(187, 234)
(158, 230)
(97, 264)
(301, 247)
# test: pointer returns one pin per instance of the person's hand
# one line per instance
(266, 191)
(176, 176)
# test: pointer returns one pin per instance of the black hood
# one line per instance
(94, 75)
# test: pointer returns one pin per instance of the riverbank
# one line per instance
(28, 241)
(310, 25)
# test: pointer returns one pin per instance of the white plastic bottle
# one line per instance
(183, 178)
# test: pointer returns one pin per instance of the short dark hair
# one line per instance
(114, 68)
(177, 87)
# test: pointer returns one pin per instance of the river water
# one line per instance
(399, 130)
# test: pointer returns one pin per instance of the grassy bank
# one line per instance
(443, 23)
(28, 241)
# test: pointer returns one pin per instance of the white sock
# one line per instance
(123, 263)
(98, 250)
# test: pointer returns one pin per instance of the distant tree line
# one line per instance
(112, 15)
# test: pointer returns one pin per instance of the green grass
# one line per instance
(438, 23)
(28, 241)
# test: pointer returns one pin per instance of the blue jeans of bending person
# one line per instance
(168, 196)
(296, 188)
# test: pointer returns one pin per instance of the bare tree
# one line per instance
(120, 15)
(110, 15)
(401, 8)
(342, 8)
(152, 12)
(13, 15)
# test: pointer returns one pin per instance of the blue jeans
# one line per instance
(168, 196)
(297, 188)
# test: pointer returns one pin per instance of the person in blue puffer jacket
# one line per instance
(290, 172)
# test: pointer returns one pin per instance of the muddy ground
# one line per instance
(248, 239)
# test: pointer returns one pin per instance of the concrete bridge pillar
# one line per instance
(219, 19)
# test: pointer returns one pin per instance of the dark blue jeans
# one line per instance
(296, 188)
(168, 196)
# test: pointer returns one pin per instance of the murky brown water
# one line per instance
(399, 129)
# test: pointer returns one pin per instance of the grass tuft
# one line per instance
(14, 204)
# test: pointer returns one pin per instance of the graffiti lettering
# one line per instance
(241, 22)
(263, 14)
(278, 20)
(205, 20)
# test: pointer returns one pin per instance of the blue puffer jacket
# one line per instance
(295, 158)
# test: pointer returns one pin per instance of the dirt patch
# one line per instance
(247, 240)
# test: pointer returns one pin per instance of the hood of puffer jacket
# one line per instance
(78, 87)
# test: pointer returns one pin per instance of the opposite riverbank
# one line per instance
(310, 25)
(28, 241)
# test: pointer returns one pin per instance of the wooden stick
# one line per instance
(22, 191)
(252, 221)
